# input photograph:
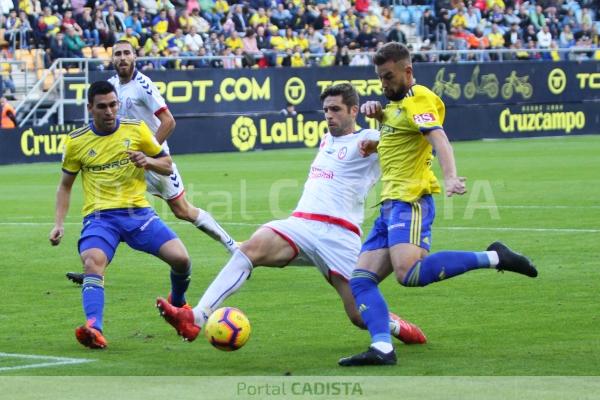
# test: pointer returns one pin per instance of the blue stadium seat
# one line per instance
(398, 10)
(415, 14)
(405, 17)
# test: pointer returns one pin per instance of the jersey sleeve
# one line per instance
(148, 143)
(151, 96)
(426, 111)
(371, 134)
(70, 162)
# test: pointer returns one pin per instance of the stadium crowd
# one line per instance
(295, 33)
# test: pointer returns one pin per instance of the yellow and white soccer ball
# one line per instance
(227, 329)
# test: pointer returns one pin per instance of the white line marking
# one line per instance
(55, 361)
(448, 228)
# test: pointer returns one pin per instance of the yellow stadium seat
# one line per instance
(87, 52)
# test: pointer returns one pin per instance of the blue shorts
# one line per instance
(401, 222)
(140, 228)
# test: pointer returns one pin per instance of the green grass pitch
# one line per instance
(540, 196)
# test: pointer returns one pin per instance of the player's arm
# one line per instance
(372, 109)
(439, 141)
(63, 199)
(161, 163)
(166, 127)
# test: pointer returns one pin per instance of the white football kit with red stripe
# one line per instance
(139, 99)
(324, 229)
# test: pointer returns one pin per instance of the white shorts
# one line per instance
(331, 248)
(166, 186)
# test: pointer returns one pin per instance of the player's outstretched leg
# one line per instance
(447, 264)
(405, 331)
(182, 319)
(509, 260)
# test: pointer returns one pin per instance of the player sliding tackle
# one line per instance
(322, 231)
(399, 243)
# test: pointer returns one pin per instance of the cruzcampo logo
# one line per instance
(243, 134)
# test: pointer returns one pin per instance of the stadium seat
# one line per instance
(87, 52)
(47, 82)
(405, 17)
(25, 55)
(398, 10)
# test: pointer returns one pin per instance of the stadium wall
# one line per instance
(237, 110)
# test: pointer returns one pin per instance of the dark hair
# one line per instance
(123, 41)
(346, 90)
(391, 51)
(99, 87)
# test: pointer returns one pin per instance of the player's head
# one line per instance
(103, 104)
(340, 105)
(123, 59)
(394, 69)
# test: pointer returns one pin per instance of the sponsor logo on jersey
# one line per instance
(342, 153)
(316, 172)
(423, 118)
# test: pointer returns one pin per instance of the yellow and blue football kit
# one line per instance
(115, 208)
(407, 210)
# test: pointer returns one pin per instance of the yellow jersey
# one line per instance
(110, 180)
(405, 154)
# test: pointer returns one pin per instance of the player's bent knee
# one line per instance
(94, 262)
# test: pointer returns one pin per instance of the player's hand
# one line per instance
(455, 185)
(367, 147)
(372, 109)
(56, 235)
(138, 158)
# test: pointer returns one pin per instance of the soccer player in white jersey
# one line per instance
(322, 231)
(139, 99)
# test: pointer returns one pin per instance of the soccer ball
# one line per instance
(227, 329)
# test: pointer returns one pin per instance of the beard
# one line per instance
(125, 73)
(395, 95)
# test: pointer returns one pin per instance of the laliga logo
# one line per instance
(243, 134)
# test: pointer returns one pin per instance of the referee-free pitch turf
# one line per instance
(540, 196)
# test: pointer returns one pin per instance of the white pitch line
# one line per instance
(57, 361)
(448, 228)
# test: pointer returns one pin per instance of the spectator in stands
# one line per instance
(25, 31)
(8, 117)
(496, 40)
(520, 53)
(131, 38)
(234, 41)
(160, 23)
(566, 38)
(173, 21)
(49, 24)
(115, 25)
(570, 19)
(150, 6)
(299, 20)
(530, 34)
(512, 35)
(107, 38)
(316, 41)
(350, 20)
(538, 19)
(73, 42)
(202, 25)
(281, 16)
(193, 40)
(472, 19)
(185, 22)
(366, 39)
(90, 34)
(459, 20)
(342, 57)
(553, 22)
(6, 81)
(362, 6)
(58, 49)
(523, 15)
(510, 17)
(397, 35)
(544, 38)
(68, 20)
(239, 19)
(360, 58)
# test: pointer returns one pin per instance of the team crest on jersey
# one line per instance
(342, 153)
(127, 143)
(92, 153)
(128, 102)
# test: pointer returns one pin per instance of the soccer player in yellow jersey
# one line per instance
(112, 155)
(411, 132)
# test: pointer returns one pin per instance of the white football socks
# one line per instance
(493, 256)
(230, 279)
(207, 224)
